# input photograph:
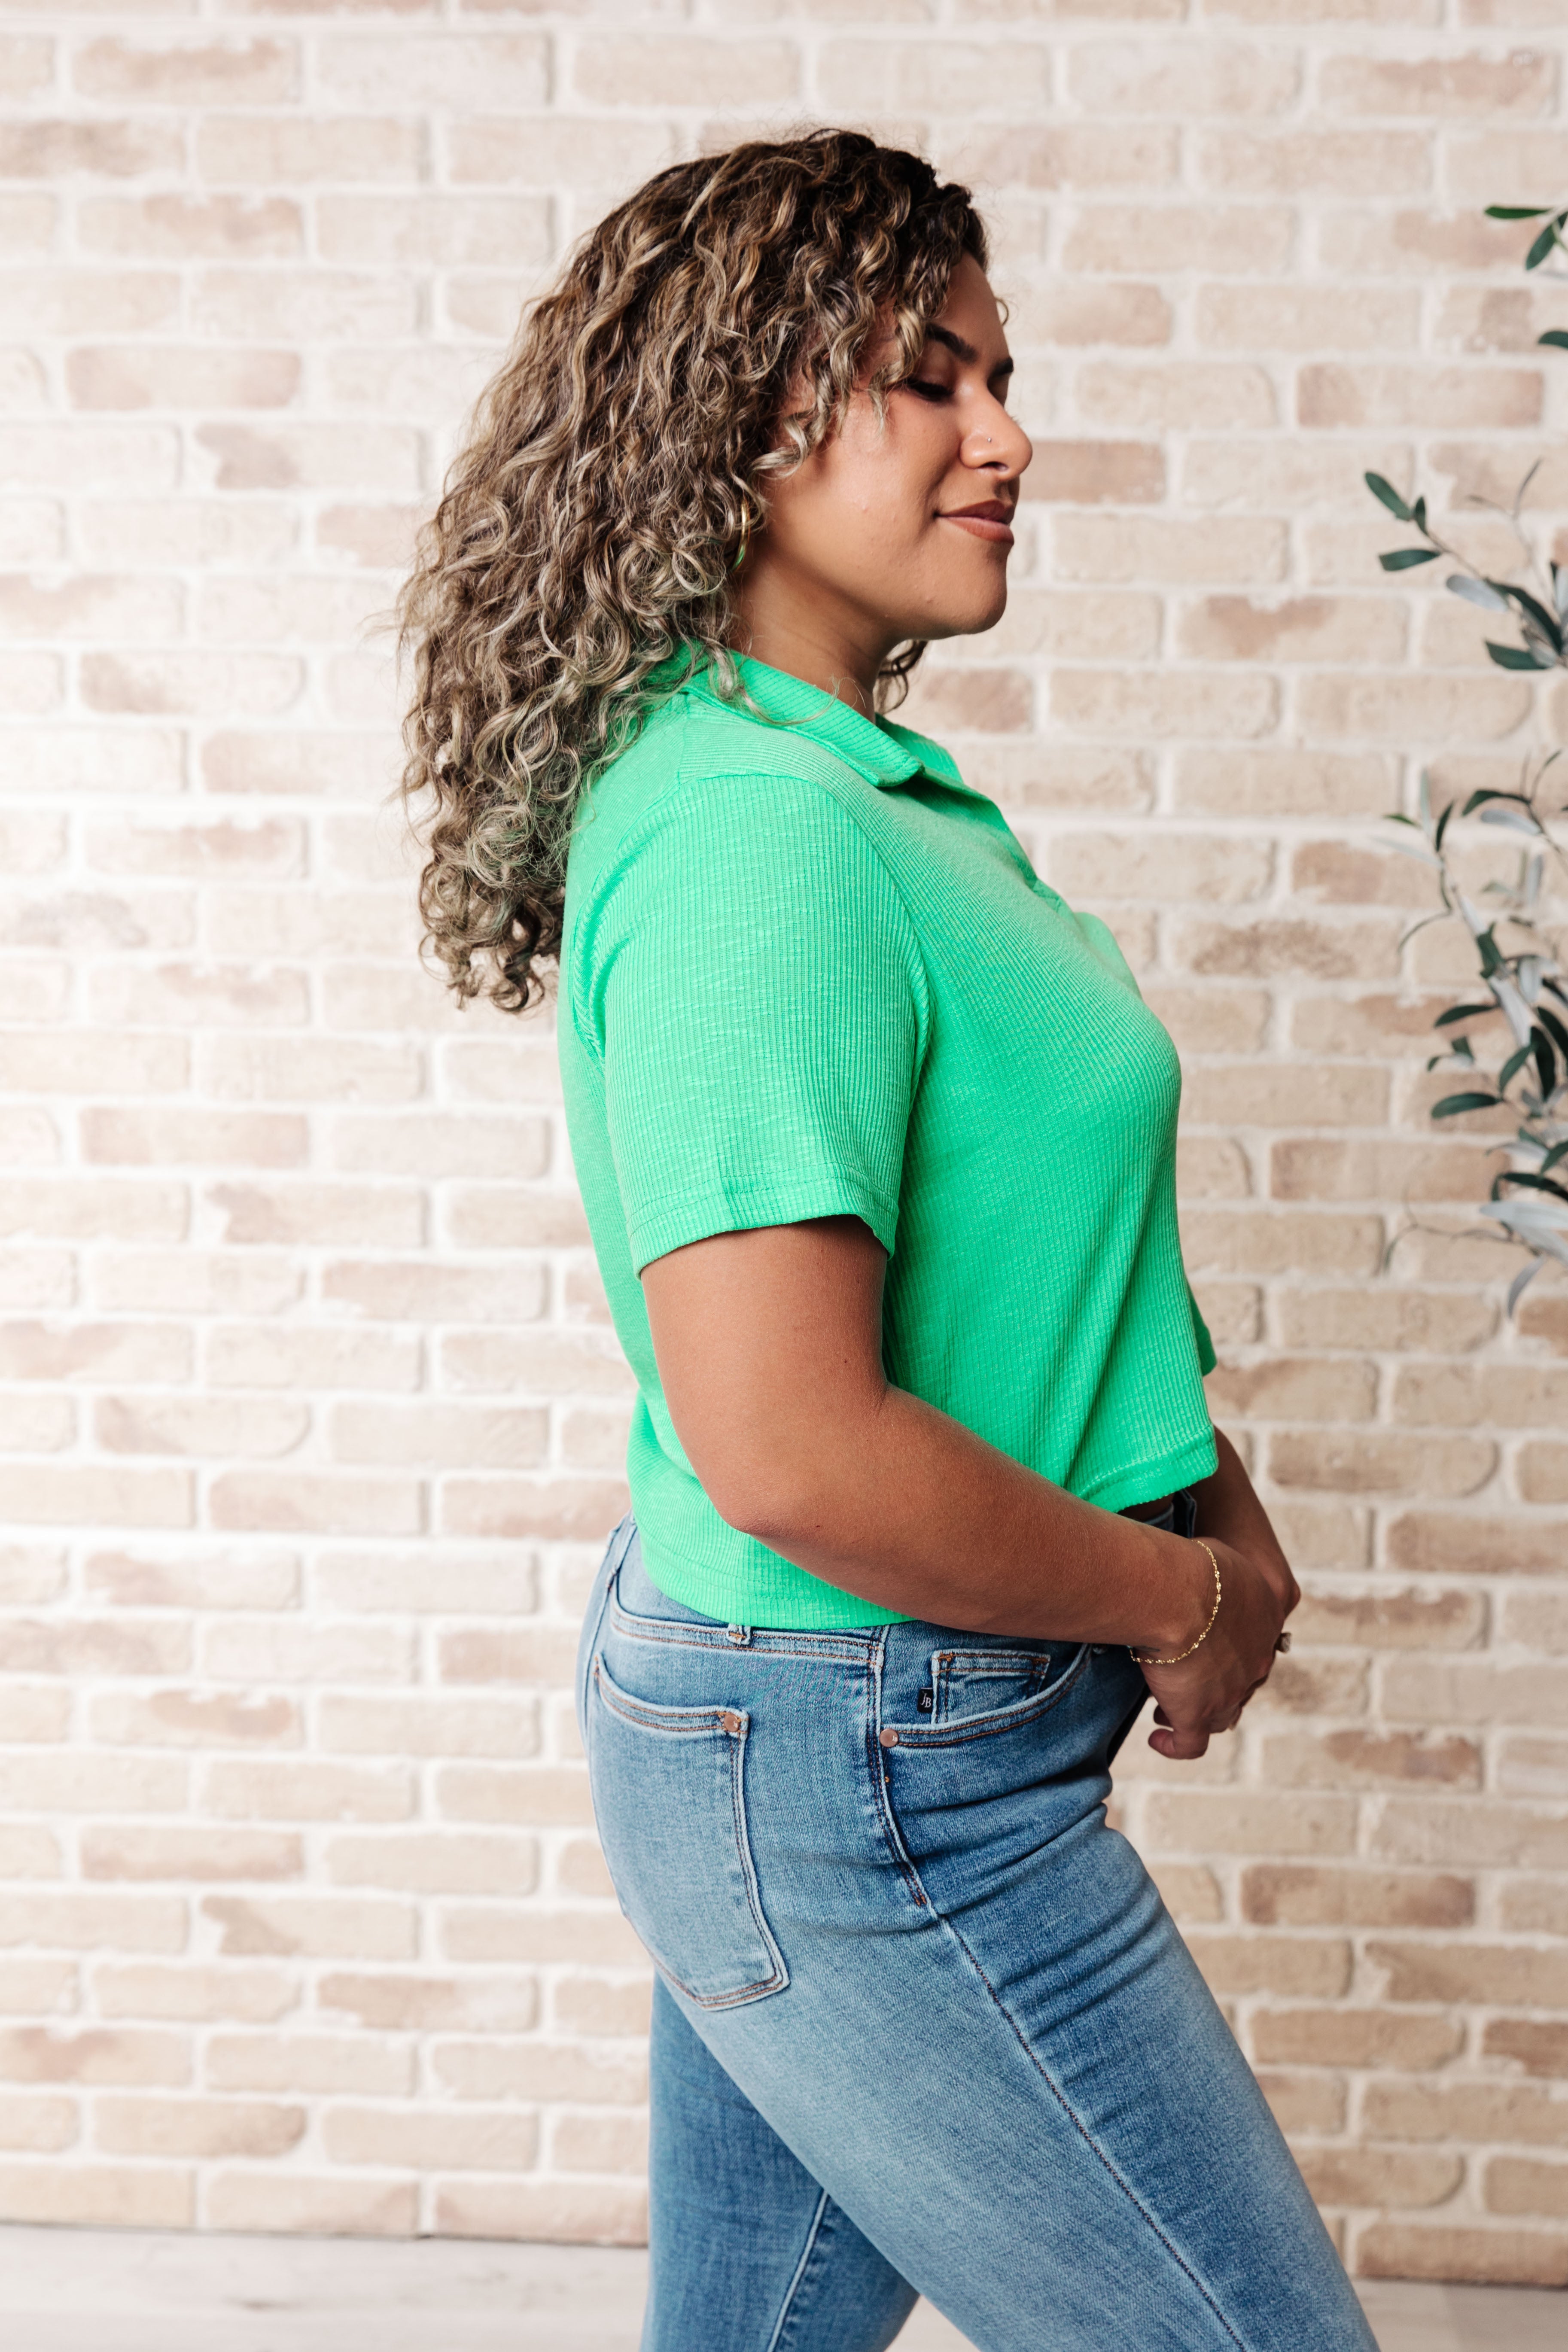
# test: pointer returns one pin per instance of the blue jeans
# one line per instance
(923, 2024)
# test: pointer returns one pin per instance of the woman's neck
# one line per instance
(841, 653)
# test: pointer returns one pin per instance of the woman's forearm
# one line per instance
(906, 1507)
(770, 1352)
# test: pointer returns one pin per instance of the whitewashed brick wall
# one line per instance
(311, 1419)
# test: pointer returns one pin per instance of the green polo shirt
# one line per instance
(806, 971)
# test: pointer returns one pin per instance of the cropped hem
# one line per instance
(670, 1224)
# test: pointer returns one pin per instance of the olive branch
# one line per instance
(1525, 985)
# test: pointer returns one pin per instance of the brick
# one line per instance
(1533, 1768)
(1513, 2257)
(574, 1509)
(1313, 163)
(433, 1145)
(305, 2065)
(1466, 1543)
(513, 1937)
(196, 2128)
(1540, 2049)
(258, 1356)
(161, 377)
(1303, 1966)
(427, 1726)
(1479, 2111)
(188, 72)
(1095, 473)
(1453, 398)
(1435, 1690)
(287, 1212)
(390, 2003)
(444, 1864)
(562, 2212)
(1073, 311)
(311, 2204)
(420, 70)
(264, 305)
(493, 2068)
(283, 150)
(98, 2196)
(431, 230)
(318, 1501)
(1374, 1462)
(43, 1494)
(1313, 1169)
(1522, 2185)
(1284, 1389)
(1304, 2102)
(81, 456)
(599, 2143)
(1210, 78)
(193, 1995)
(1153, 548)
(133, 1138)
(189, 1854)
(1172, 237)
(1242, 1822)
(283, 1789)
(1378, 2176)
(199, 1282)
(538, 1796)
(1479, 1832)
(1392, 1318)
(328, 1927)
(40, 2125)
(298, 1649)
(1415, 2042)
(1207, 868)
(1301, 1895)
(1523, 84)
(1413, 1619)
(1163, 703)
(596, 2005)
(94, 2054)
(1370, 1759)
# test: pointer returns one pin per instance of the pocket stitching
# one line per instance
(648, 1716)
(1000, 1719)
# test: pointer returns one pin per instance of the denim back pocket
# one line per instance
(966, 1683)
(669, 1797)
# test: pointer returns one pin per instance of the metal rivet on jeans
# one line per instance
(730, 1720)
(888, 1738)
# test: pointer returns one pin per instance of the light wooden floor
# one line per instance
(113, 2290)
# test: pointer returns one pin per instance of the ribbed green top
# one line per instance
(807, 970)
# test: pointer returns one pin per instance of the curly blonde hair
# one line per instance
(612, 468)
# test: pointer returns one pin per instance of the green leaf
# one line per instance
(1553, 1028)
(1554, 338)
(1454, 1106)
(1405, 559)
(1442, 824)
(1390, 497)
(1558, 1152)
(1545, 621)
(1545, 1060)
(1476, 591)
(1490, 792)
(1461, 1012)
(1518, 211)
(1510, 657)
(1543, 247)
(1535, 1183)
(1512, 1069)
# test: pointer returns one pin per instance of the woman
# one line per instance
(875, 1139)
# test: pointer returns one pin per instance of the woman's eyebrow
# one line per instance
(966, 352)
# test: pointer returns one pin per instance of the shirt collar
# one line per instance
(885, 754)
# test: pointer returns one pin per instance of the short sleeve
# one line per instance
(748, 978)
(1207, 1359)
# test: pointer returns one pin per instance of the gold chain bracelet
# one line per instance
(1140, 1660)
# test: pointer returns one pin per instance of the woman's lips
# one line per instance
(984, 522)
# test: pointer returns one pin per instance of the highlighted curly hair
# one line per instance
(613, 468)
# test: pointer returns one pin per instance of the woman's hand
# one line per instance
(1206, 1693)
